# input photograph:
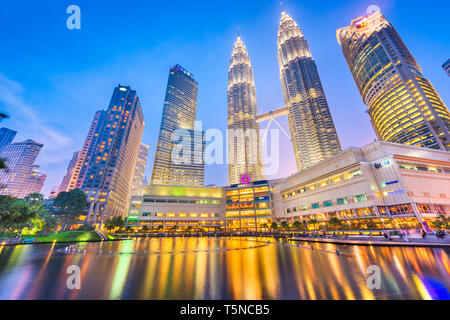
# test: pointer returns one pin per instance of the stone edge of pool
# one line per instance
(317, 240)
(374, 243)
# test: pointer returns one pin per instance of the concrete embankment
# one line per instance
(377, 242)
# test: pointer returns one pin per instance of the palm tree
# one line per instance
(314, 222)
(441, 223)
(3, 166)
(284, 225)
(274, 226)
(297, 225)
(371, 225)
(335, 222)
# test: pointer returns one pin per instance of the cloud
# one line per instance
(14, 101)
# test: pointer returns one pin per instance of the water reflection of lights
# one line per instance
(238, 268)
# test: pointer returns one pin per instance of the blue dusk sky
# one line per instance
(52, 80)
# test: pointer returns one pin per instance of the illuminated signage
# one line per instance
(362, 23)
(396, 192)
(390, 182)
(245, 179)
(383, 164)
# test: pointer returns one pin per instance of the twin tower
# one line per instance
(313, 133)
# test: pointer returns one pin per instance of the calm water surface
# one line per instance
(200, 268)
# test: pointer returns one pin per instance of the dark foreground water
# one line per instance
(222, 269)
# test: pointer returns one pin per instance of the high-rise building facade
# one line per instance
(180, 109)
(313, 132)
(36, 181)
(446, 67)
(139, 171)
(20, 157)
(81, 166)
(6, 137)
(403, 105)
(244, 149)
(109, 173)
(70, 172)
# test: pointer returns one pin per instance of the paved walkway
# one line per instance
(430, 241)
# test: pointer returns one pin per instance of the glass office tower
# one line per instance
(20, 157)
(6, 137)
(313, 133)
(180, 109)
(403, 105)
(139, 172)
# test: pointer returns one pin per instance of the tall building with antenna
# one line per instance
(402, 104)
(179, 113)
(244, 149)
(313, 133)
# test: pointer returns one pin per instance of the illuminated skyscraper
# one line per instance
(76, 179)
(6, 136)
(141, 164)
(109, 173)
(244, 149)
(36, 181)
(70, 172)
(180, 108)
(313, 133)
(403, 105)
(20, 157)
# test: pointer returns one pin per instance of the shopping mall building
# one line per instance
(164, 207)
(381, 185)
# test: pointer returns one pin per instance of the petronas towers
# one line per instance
(313, 133)
(244, 148)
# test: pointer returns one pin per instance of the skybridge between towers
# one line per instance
(271, 117)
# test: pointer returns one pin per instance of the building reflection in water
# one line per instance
(200, 268)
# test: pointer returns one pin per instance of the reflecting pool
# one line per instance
(202, 268)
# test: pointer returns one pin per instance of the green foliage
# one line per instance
(115, 222)
(314, 222)
(335, 223)
(442, 223)
(371, 225)
(28, 216)
(68, 206)
(274, 225)
(284, 225)
(86, 227)
(71, 236)
(298, 225)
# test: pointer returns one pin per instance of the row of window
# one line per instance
(327, 204)
(423, 168)
(182, 201)
(325, 183)
(247, 191)
(180, 215)
(360, 213)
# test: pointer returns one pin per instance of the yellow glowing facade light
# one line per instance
(403, 105)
